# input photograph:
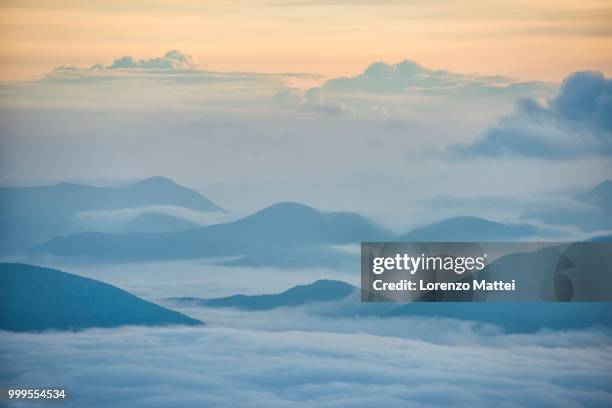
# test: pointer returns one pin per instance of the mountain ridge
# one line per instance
(32, 215)
(470, 229)
(323, 290)
(282, 230)
(34, 298)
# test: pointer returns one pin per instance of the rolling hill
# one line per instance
(35, 299)
(468, 229)
(319, 291)
(590, 211)
(32, 215)
(343, 300)
(282, 233)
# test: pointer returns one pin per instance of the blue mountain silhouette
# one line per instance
(319, 291)
(284, 233)
(600, 195)
(34, 299)
(469, 229)
(31, 215)
(592, 210)
(344, 300)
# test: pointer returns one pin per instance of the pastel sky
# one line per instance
(390, 99)
(534, 39)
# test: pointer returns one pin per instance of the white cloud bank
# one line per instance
(182, 367)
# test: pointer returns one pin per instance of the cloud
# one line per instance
(586, 97)
(410, 77)
(286, 98)
(173, 59)
(174, 67)
(310, 101)
(172, 81)
(405, 91)
(170, 121)
(183, 367)
(577, 122)
(408, 91)
(113, 220)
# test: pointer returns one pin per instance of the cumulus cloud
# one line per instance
(174, 59)
(183, 367)
(286, 98)
(577, 122)
(409, 76)
(310, 101)
(406, 91)
(171, 121)
(174, 67)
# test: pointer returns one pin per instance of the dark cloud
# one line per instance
(586, 97)
(578, 122)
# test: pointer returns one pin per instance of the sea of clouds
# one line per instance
(216, 366)
(299, 356)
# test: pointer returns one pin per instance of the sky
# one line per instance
(404, 113)
(538, 39)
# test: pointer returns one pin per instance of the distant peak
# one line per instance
(289, 207)
(469, 218)
(285, 211)
(329, 283)
(155, 181)
(600, 195)
(604, 185)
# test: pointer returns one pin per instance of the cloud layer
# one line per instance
(371, 136)
(182, 367)
(578, 122)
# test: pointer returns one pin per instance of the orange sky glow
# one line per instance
(535, 39)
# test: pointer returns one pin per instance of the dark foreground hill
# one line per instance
(34, 299)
